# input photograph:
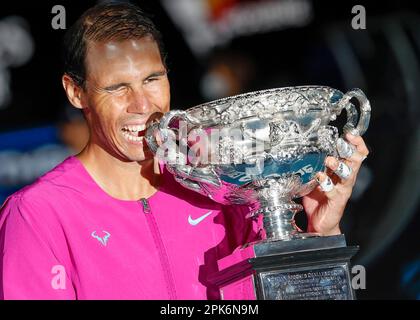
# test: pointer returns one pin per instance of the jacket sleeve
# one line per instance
(30, 267)
(240, 228)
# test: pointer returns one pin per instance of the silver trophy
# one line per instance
(263, 149)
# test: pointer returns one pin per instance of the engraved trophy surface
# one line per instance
(263, 149)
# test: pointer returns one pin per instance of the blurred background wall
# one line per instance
(223, 47)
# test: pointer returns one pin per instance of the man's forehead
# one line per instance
(117, 48)
(107, 61)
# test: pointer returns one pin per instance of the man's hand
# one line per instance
(325, 205)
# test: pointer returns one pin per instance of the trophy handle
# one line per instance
(356, 125)
(150, 137)
(187, 175)
(162, 128)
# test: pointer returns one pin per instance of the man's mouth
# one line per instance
(134, 133)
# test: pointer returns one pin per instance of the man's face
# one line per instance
(126, 82)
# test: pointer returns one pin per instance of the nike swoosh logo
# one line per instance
(194, 222)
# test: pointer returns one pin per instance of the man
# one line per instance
(110, 223)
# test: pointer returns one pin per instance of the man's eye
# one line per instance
(148, 80)
(116, 89)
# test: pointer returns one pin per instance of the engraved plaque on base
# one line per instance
(305, 269)
(322, 283)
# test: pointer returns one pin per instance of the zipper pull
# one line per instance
(146, 206)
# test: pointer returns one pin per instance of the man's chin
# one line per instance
(140, 155)
(143, 158)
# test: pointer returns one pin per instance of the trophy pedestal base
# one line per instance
(303, 269)
(292, 236)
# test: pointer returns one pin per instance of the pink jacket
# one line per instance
(63, 237)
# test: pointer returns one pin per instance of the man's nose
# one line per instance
(140, 103)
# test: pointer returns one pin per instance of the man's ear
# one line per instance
(73, 91)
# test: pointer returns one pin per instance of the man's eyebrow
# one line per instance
(157, 74)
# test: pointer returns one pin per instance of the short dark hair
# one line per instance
(105, 22)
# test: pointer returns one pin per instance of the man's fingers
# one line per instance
(357, 157)
(359, 144)
(345, 149)
(333, 191)
(326, 184)
(343, 169)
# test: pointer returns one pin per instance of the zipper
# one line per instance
(146, 206)
(163, 256)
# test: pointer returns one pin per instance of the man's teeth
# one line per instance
(135, 128)
(130, 137)
(132, 132)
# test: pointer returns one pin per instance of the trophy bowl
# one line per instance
(260, 148)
